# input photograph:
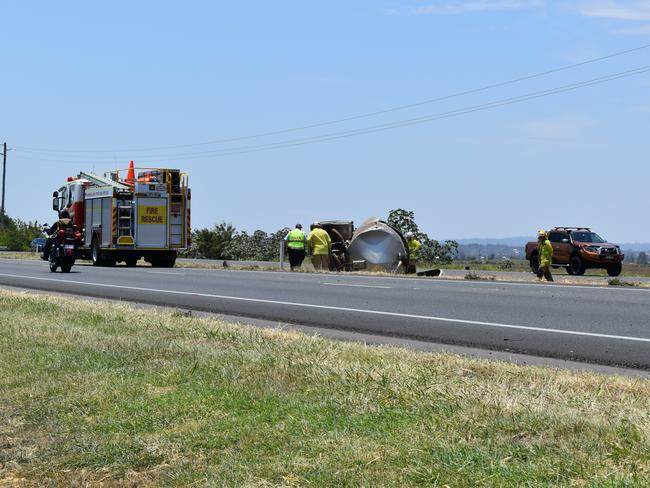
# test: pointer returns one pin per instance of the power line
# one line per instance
(419, 120)
(404, 122)
(354, 117)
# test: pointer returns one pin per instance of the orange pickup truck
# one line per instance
(578, 249)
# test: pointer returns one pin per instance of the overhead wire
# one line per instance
(353, 117)
(404, 122)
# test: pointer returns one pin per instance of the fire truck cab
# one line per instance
(126, 220)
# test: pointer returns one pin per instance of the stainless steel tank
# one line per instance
(379, 247)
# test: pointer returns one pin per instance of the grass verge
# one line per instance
(106, 394)
(618, 282)
(19, 255)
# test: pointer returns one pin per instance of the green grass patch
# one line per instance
(618, 282)
(107, 394)
(473, 276)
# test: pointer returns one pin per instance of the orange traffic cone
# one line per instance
(130, 176)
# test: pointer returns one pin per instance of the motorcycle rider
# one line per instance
(64, 222)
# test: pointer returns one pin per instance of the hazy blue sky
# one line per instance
(90, 85)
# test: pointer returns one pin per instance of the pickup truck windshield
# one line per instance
(586, 237)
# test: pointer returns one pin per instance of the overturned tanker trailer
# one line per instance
(375, 246)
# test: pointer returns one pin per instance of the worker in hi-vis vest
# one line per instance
(320, 247)
(545, 255)
(414, 246)
(295, 243)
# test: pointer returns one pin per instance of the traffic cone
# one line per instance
(130, 176)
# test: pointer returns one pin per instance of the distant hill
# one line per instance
(522, 240)
(635, 246)
(505, 241)
(513, 247)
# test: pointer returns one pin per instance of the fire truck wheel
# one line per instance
(96, 253)
(167, 260)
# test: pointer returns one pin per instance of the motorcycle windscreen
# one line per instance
(151, 222)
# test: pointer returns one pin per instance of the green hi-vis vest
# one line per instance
(296, 239)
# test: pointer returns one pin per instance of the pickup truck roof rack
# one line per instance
(569, 229)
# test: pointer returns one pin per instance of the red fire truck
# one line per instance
(129, 219)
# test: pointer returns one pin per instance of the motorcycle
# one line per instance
(64, 249)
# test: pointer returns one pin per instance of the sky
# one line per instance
(294, 111)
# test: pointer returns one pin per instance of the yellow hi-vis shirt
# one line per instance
(319, 242)
(545, 253)
(296, 239)
(414, 245)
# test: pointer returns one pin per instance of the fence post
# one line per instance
(281, 254)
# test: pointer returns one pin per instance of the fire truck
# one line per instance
(124, 220)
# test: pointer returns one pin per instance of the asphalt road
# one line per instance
(559, 274)
(592, 324)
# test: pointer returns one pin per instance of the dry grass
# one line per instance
(98, 394)
(18, 255)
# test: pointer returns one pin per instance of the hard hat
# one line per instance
(409, 234)
(298, 226)
(541, 233)
(316, 223)
(64, 214)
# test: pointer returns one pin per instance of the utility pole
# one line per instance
(4, 173)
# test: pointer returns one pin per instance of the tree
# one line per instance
(212, 243)
(642, 258)
(15, 234)
(432, 251)
(258, 246)
(404, 221)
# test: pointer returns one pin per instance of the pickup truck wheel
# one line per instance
(534, 263)
(577, 266)
(569, 270)
(614, 269)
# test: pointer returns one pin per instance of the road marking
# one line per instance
(357, 286)
(165, 272)
(342, 309)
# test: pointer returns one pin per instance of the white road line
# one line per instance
(165, 272)
(343, 309)
(358, 286)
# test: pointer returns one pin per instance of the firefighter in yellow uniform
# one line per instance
(320, 247)
(295, 242)
(545, 254)
(414, 247)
